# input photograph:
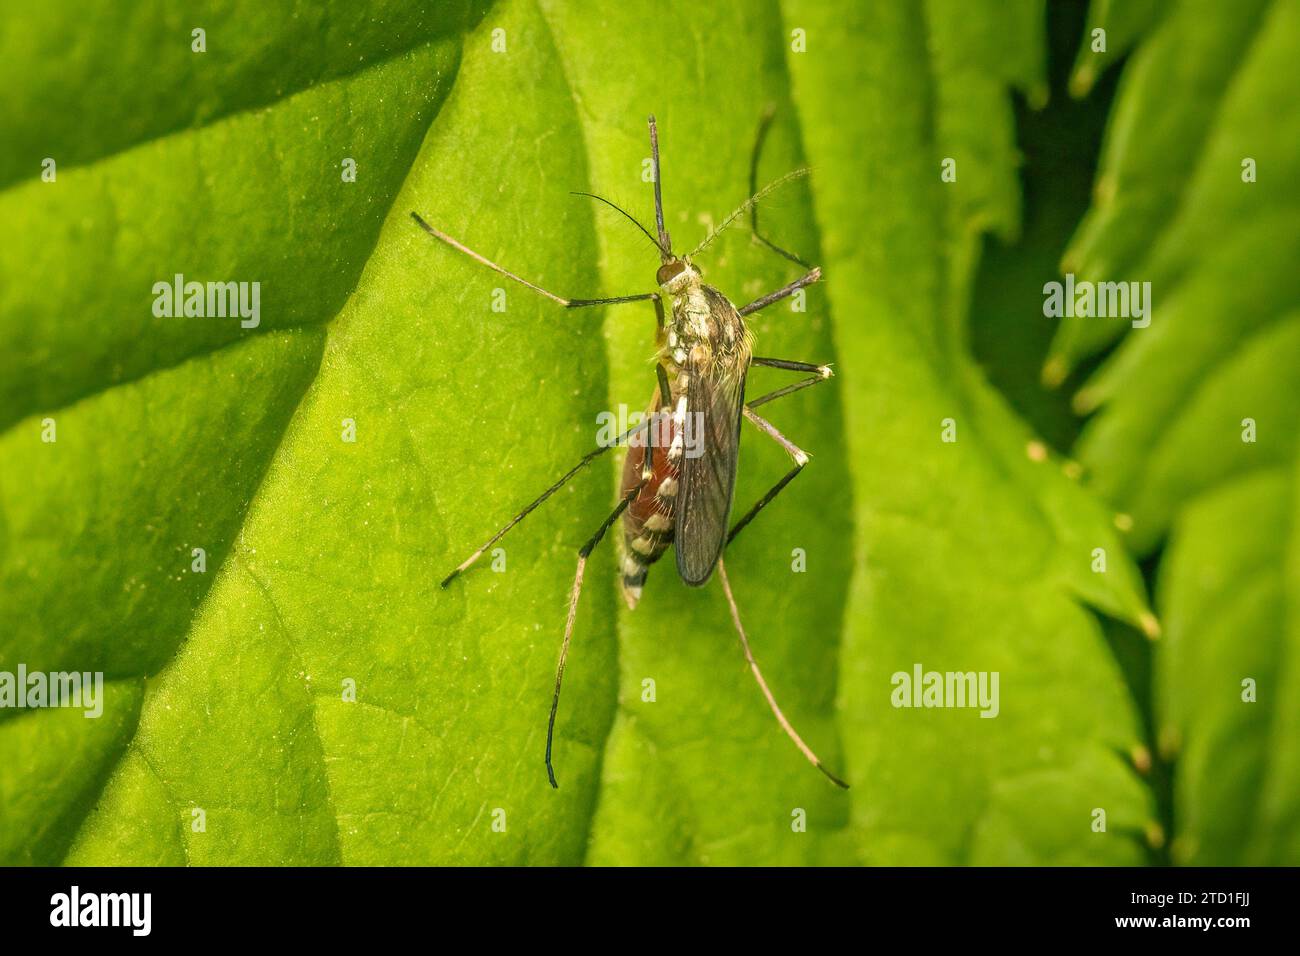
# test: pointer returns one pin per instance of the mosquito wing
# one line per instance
(708, 469)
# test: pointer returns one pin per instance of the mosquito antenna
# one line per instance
(665, 243)
(762, 684)
(636, 222)
(747, 205)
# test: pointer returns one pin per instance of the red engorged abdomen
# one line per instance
(657, 497)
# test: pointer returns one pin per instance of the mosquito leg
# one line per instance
(762, 684)
(800, 459)
(583, 554)
(765, 124)
(808, 278)
(823, 373)
(665, 389)
(792, 366)
(798, 454)
(532, 505)
(789, 389)
(586, 303)
(567, 303)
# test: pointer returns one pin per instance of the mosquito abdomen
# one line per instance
(650, 519)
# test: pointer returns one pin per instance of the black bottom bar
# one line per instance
(330, 906)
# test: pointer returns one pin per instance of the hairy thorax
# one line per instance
(704, 331)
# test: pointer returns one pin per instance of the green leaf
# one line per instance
(228, 736)
(1169, 103)
(326, 570)
(1229, 671)
(1194, 434)
(1124, 23)
(132, 75)
(969, 555)
(259, 193)
(1170, 100)
(1209, 321)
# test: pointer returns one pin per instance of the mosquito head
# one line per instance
(676, 274)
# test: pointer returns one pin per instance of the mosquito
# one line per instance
(669, 497)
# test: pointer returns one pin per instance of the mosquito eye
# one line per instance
(669, 270)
